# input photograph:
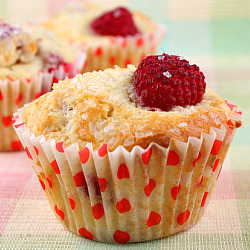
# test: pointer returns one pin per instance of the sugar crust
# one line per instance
(98, 107)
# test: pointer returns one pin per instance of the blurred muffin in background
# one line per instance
(31, 60)
(109, 37)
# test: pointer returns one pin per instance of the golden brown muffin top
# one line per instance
(98, 107)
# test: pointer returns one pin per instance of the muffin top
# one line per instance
(86, 23)
(28, 50)
(101, 107)
(15, 45)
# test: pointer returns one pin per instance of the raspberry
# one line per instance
(7, 31)
(118, 22)
(53, 61)
(165, 81)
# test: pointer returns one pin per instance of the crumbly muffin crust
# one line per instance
(98, 107)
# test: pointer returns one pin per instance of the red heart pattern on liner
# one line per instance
(121, 237)
(183, 217)
(79, 179)
(6, 120)
(16, 145)
(55, 167)
(84, 155)
(59, 212)
(146, 156)
(123, 172)
(72, 203)
(216, 147)
(196, 159)
(42, 184)
(175, 191)
(85, 233)
(102, 184)
(49, 182)
(150, 187)
(103, 150)
(153, 219)
(123, 205)
(173, 158)
(98, 211)
(60, 147)
(28, 153)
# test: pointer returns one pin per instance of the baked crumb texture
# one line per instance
(73, 25)
(156, 183)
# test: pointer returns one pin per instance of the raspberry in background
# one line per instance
(162, 82)
(7, 31)
(53, 61)
(118, 22)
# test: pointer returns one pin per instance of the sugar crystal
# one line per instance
(84, 116)
(167, 74)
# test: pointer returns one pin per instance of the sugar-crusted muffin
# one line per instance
(31, 59)
(119, 165)
(109, 37)
(98, 108)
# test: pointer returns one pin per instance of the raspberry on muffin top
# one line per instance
(118, 22)
(164, 81)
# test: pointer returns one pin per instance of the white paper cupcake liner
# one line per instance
(15, 93)
(123, 196)
(121, 51)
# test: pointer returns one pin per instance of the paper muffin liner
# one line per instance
(15, 93)
(123, 196)
(121, 51)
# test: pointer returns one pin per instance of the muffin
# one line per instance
(126, 154)
(31, 59)
(113, 37)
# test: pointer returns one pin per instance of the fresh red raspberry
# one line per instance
(118, 22)
(165, 81)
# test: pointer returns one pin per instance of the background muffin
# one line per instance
(31, 59)
(116, 169)
(109, 37)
